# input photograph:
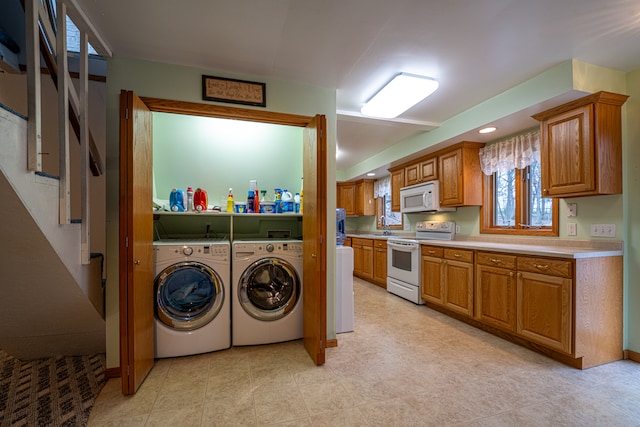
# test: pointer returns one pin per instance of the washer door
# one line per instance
(269, 289)
(188, 295)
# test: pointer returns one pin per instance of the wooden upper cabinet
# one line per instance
(356, 198)
(581, 147)
(422, 171)
(346, 192)
(461, 175)
(365, 203)
(397, 182)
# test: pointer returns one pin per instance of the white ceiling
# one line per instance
(476, 49)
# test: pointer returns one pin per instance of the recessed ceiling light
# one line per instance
(488, 129)
(371, 174)
(401, 93)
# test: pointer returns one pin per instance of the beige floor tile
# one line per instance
(351, 417)
(394, 412)
(184, 417)
(273, 406)
(404, 365)
(327, 397)
(230, 411)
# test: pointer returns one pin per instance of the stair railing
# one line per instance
(42, 39)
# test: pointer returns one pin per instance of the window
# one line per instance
(73, 34)
(385, 218)
(513, 202)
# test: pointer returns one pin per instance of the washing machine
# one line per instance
(267, 292)
(192, 297)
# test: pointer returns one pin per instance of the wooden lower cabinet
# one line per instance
(544, 310)
(496, 290)
(458, 281)
(362, 258)
(569, 309)
(432, 266)
(447, 278)
(380, 263)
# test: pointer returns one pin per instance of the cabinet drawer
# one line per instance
(459, 254)
(433, 251)
(551, 267)
(380, 244)
(361, 242)
(496, 260)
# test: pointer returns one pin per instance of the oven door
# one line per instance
(403, 261)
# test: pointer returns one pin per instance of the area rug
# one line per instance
(58, 391)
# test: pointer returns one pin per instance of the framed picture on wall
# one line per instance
(233, 91)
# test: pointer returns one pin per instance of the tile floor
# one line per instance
(405, 365)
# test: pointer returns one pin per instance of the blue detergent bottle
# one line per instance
(176, 200)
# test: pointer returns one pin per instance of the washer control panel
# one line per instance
(290, 248)
(214, 252)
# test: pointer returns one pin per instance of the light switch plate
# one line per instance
(572, 229)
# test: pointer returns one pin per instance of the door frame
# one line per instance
(234, 113)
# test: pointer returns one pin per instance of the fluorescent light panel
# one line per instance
(401, 93)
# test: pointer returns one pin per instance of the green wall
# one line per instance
(175, 82)
(631, 203)
(218, 154)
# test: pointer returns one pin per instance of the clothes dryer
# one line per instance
(192, 297)
(267, 291)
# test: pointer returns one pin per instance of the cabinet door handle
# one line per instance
(457, 255)
(431, 252)
(511, 274)
(519, 274)
(495, 260)
(541, 266)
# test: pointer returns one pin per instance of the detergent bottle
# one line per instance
(230, 201)
(189, 199)
(176, 200)
(200, 200)
(301, 191)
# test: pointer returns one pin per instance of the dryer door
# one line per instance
(188, 295)
(269, 289)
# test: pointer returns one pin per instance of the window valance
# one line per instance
(517, 152)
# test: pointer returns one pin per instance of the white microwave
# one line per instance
(424, 197)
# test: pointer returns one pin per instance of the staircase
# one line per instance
(51, 290)
(45, 308)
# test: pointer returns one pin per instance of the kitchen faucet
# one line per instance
(386, 231)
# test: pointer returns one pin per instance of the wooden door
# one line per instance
(544, 310)
(314, 229)
(429, 169)
(496, 297)
(451, 178)
(431, 282)
(567, 155)
(397, 182)
(135, 242)
(458, 286)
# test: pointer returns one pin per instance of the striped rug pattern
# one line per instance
(58, 391)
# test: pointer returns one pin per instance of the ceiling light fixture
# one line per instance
(401, 93)
(488, 129)
(371, 174)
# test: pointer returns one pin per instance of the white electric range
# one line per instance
(403, 258)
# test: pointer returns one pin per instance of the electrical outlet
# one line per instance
(572, 209)
(572, 229)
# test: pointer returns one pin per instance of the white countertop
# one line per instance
(528, 246)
